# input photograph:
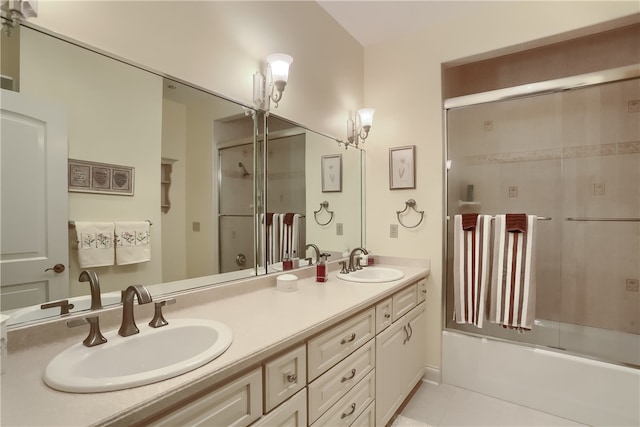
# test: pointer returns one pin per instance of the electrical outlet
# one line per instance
(632, 285)
(195, 226)
(598, 189)
(513, 191)
(393, 231)
(339, 229)
(488, 125)
(634, 106)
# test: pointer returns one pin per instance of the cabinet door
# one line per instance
(292, 413)
(284, 376)
(236, 404)
(400, 353)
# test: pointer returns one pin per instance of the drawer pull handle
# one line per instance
(351, 338)
(424, 291)
(346, 414)
(292, 378)
(406, 332)
(410, 330)
(353, 374)
(387, 315)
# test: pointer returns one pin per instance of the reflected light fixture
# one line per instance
(13, 12)
(358, 127)
(268, 87)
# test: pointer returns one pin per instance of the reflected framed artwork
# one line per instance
(331, 173)
(402, 167)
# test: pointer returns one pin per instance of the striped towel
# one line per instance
(271, 226)
(513, 283)
(289, 234)
(471, 262)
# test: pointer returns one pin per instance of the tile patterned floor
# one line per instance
(446, 405)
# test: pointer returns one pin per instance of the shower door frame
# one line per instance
(517, 92)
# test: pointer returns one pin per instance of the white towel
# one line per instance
(471, 267)
(513, 283)
(95, 243)
(133, 242)
(272, 233)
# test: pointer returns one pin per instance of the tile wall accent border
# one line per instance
(632, 147)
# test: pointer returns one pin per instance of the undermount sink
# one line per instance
(152, 355)
(372, 275)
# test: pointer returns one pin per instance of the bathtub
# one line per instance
(581, 389)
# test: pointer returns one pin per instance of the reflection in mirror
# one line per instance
(197, 177)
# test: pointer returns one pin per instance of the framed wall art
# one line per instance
(103, 178)
(331, 173)
(402, 167)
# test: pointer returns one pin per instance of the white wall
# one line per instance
(220, 44)
(403, 83)
(116, 112)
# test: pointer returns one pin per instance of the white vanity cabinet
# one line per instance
(400, 352)
(238, 404)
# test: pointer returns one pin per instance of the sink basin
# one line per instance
(372, 275)
(152, 355)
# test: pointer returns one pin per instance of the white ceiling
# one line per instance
(371, 22)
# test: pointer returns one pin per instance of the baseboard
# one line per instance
(432, 374)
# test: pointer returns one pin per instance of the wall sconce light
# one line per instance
(13, 12)
(358, 127)
(268, 87)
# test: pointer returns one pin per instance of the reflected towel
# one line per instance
(270, 229)
(513, 282)
(471, 267)
(133, 242)
(95, 243)
(290, 234)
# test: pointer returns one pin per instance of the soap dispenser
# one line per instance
(287, 264)
(321, 269)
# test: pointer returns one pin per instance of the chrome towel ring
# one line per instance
(324, 205)
(410, 204)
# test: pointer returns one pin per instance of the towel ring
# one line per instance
(410, 204)
(324, 205)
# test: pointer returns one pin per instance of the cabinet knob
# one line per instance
(387, 315)
(292, 378)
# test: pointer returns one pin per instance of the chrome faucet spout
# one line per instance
(92, 277)
(128, 326)
(353, 266)
(316, 249)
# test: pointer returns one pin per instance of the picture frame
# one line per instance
(402, 168)
(101, 178)
(331, 173)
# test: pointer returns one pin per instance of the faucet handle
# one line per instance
(95, 337)
(344, 269)
(63, 304)
(158, 319)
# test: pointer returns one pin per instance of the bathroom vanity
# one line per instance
(334, 353)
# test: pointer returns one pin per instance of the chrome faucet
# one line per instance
(316, 249)
(353, 266)
(91, 277)
(128, 326)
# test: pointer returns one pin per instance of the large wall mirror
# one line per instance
(211, 176)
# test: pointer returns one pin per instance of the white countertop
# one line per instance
(264, 322)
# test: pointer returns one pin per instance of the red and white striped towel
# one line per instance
(471, 267)
(513, 282)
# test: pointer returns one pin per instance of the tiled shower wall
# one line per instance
(565, 155)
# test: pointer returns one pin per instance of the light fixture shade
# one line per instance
(366, 117)
(279, 63)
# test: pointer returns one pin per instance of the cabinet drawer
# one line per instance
(349, 408)
(237, 404)
(404, 301)
(367, 418)
(293, 412)
(330, 387)
(384, 310)
(284, 376)
(422, 290)
(330, 347)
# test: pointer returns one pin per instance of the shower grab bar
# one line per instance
(72, 224)
(604, 219)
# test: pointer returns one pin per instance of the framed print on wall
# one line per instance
(92, 177)
(332, 173)
(402, 167)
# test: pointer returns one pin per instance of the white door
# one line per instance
(33, 206)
